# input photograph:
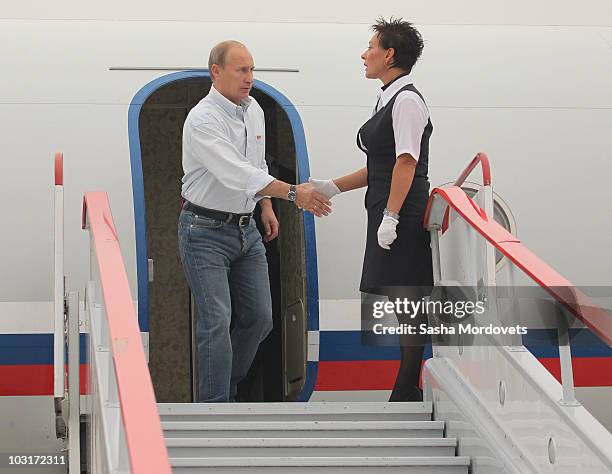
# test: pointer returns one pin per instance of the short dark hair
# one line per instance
(218, 55)
(404, 38)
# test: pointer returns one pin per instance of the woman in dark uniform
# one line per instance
(397, 261)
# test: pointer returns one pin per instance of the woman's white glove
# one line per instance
(326, 187)
(386, 232)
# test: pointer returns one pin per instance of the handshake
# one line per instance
(315, 196)
(328, 189)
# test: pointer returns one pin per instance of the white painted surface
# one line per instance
(593, 399)
(19, 317)
(30, 418)
(340, 315)
(506, 90)
(313, 346)
(521, 12)
(23, 317)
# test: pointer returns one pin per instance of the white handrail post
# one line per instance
(489, 208)
(58, 298)
(515, 304)
(437, 269)
(565, 360)
(74, 384)
(435, 253)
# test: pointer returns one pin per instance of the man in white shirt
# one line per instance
(221, 249)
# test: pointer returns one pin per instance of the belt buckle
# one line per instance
(244, 222)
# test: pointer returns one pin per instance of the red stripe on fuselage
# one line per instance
(588, 371)
(380, 374)
(16, 380)
(32, 380)
(356, 375)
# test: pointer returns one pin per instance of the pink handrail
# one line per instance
(483, 159)
(143, 433)
(597, 319)
(59, 168)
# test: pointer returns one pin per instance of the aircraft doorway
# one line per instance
(279, 370)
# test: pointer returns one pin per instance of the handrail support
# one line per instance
(435, 254)
(483, 160)
(565, 360)
(74, 385)
(59, 283)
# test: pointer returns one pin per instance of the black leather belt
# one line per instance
(227, 217)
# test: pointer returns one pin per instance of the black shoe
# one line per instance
(413, 394)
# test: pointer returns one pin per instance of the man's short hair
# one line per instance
(404, 38)
(218, 55)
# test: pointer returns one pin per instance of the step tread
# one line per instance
(308, 442)
(323, 461)
(300, 425)
(293, 408)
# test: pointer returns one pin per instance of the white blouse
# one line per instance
(410, 116)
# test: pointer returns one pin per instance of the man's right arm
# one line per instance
(212, 148)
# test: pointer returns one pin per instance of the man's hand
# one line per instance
(309, 199)
(386, 232)
(268, 220)
(327, 187)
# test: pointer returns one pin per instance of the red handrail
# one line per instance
(143, 432)
(483, 159)
(59, 168)
(597, 319)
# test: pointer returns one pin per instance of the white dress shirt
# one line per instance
(224, 154)
(410, 116)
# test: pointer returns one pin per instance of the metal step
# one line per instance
(310, 411)
(322, 465)
(309, 447)
(303, 429)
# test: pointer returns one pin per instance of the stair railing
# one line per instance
(497, 376)
(66, 332)
(58, 308)
(126, 434)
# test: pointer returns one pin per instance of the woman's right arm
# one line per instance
(356, 180)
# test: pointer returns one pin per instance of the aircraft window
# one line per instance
(501, 214)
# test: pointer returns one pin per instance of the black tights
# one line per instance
(406, 388)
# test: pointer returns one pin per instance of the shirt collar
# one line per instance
(387, 94)
(226, 104)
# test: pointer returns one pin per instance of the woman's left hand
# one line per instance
(386, 232)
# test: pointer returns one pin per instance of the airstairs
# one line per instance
(492, 409)
(321, 437)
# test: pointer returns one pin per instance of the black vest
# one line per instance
(379, 142)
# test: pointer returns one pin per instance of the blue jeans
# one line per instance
(225, 265)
